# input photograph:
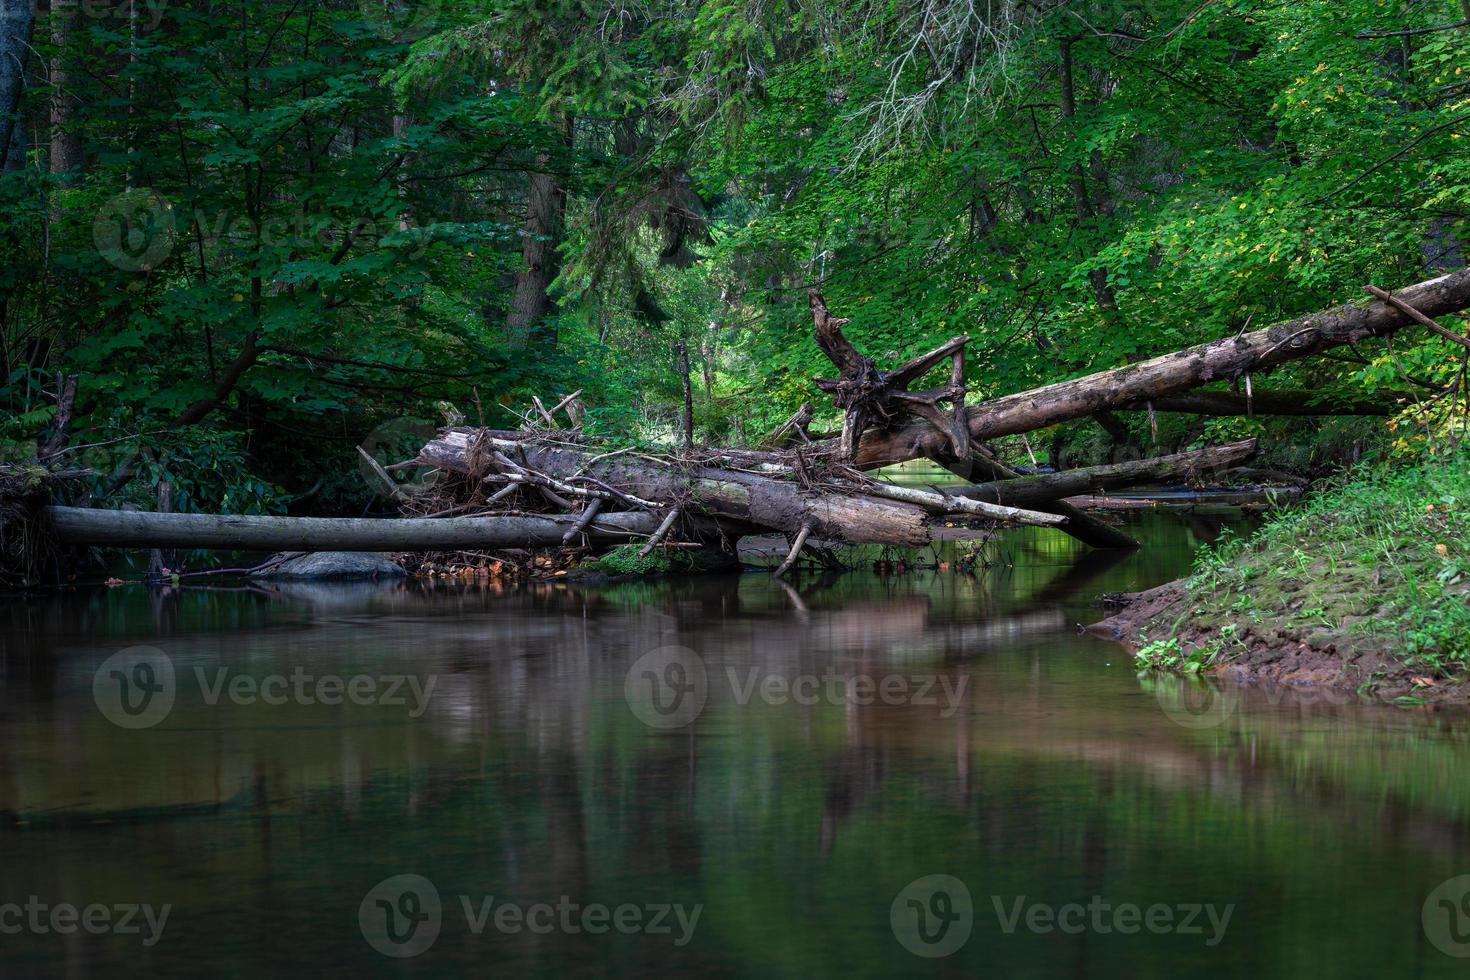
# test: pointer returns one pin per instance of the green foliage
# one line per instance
(345, 189)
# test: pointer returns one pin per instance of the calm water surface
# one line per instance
(794, 811)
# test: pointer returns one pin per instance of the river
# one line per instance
(861, 775)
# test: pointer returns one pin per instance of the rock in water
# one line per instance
(335, 565)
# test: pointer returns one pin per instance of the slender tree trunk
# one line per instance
(682, 350)
(66, 145)
(541, 238)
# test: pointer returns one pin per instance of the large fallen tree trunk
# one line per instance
(1287, 402)
(1041, 488)
(1154, 379)
(140, 529)
(831, 509)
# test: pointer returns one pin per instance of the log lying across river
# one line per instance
(140, 529)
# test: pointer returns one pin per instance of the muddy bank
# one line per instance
(1171, 622)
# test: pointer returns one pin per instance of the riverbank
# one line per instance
(1365, 586)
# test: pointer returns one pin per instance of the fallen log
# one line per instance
(1030, 491)
(1170, 374)
(141, 529)
(832, 511)
(1080, 525)
(1280, 402)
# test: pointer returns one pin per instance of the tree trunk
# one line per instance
(1170, 374)
(729, 494)
(859, 514)
(1084, 527)
(66, 145)
(1284, 402)
(682, 352)
(1030, 491)
(139, 529)
(16, 21)
(541, 237)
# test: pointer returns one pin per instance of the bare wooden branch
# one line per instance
(588, 514)
(565, 402)
(550, 420)
(796, 546)
(658, 535)
(1409, 311)
(66, 396)
(386, 484)
(943, 504)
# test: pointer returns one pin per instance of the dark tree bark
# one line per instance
(871, 513)
(66, 145)
(16, 23)
(1029, 491)
(541, 238)
(1080, 525)
(1284, 402)
(681, 350)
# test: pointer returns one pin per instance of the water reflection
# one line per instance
(793, 809)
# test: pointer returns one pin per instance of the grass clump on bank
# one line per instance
(1378, 561)
(626, 559)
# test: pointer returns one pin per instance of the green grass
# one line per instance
(1380, 558)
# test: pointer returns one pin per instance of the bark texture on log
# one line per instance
(1029, 491)
(140, 529)
(731, 494)
(1084, 527)
(1281, 402)
(1172, 373)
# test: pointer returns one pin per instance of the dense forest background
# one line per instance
(261, 233)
